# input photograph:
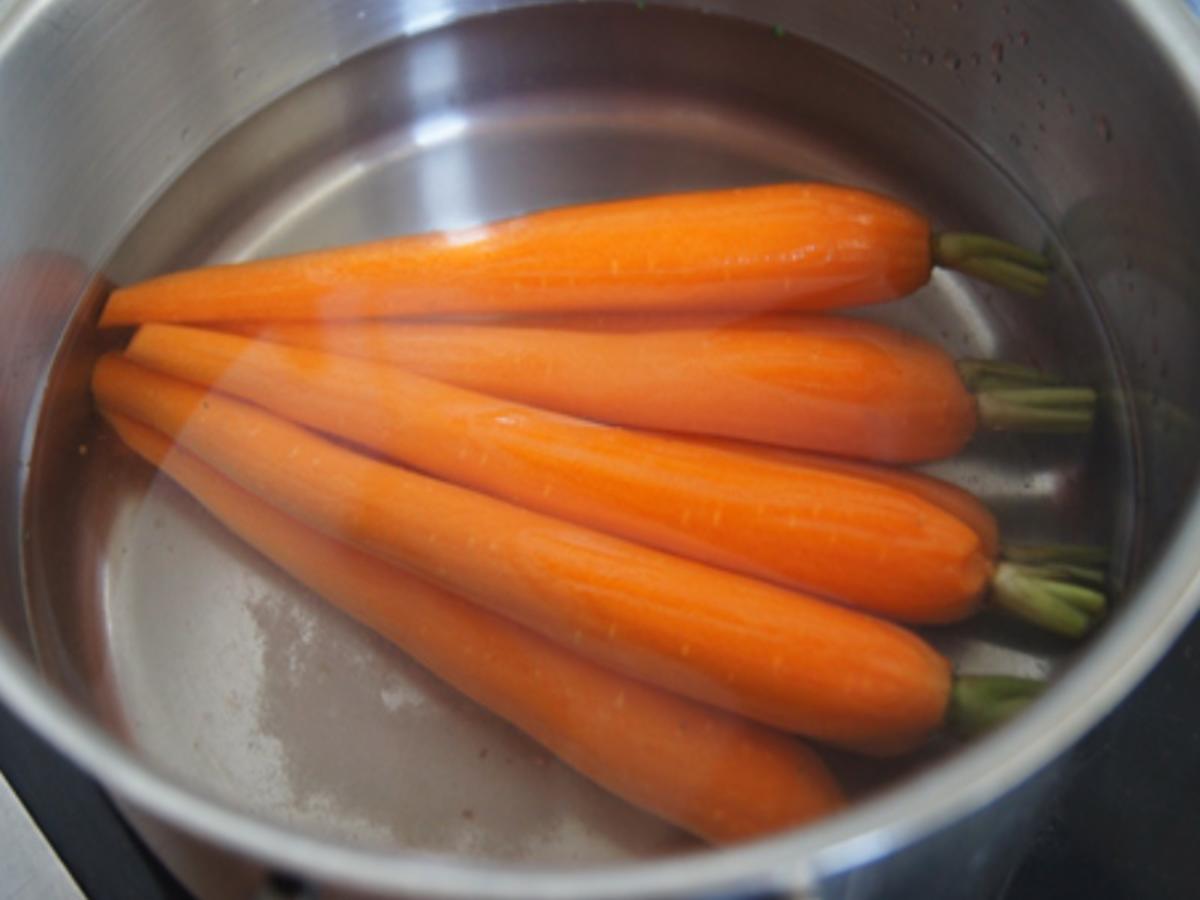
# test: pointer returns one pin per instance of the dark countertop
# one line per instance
(1125, 824)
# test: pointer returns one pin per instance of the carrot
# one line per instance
(1057, 587)
(718, 776)
(776, 656)
(832, 531)
(784, 246)
(827, 384)
(961, 504)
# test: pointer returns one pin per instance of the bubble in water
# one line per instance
(183, 135)
(996, 77)
(914, 5)
(997, 52)
(952, 61)
(976, 59)
(1041, 77)
(1041, 104)
(1023, 37)
(1042, 127)
(958, 5)
(1103, 127)
(1015, 139)
(926, 57)
(238, 73)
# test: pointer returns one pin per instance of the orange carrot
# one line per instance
(834, 532)
(719, 777)
(823, 383)
(961, 504)
(785, 246)
(776, 656)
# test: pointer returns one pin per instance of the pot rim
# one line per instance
(1155, 614)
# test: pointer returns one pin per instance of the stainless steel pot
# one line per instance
(140, 135)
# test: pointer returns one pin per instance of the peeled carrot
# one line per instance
(1057, 587)
(961, 504)
(776, 656)
(821, 528)
(784, 246)
(828, 384)
(718, 776)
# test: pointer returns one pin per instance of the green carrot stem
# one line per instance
(992, 260)
(1015, 397)
(1064, 598)
(1047, 410)
(1073, 554)
(982, 374)
(981, 702)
